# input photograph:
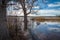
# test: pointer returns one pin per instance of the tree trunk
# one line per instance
(25, 22)
(3, 26)
(25, 18)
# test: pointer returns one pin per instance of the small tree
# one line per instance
(27, 5)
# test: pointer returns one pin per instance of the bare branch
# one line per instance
(22, 3)
(35, 11)
(31, 6)
(30, 10)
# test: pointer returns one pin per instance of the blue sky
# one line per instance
(48, 7)
(48, 4)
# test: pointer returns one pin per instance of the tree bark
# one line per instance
(4, 35)
(25, 17)
(25, 22)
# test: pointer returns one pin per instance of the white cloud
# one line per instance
(54, 5)
(39, 12)
(57, 2)
(49, 12)
(36, 7)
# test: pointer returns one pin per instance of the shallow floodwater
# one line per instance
(46, 32)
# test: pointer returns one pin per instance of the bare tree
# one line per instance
(27, 5)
